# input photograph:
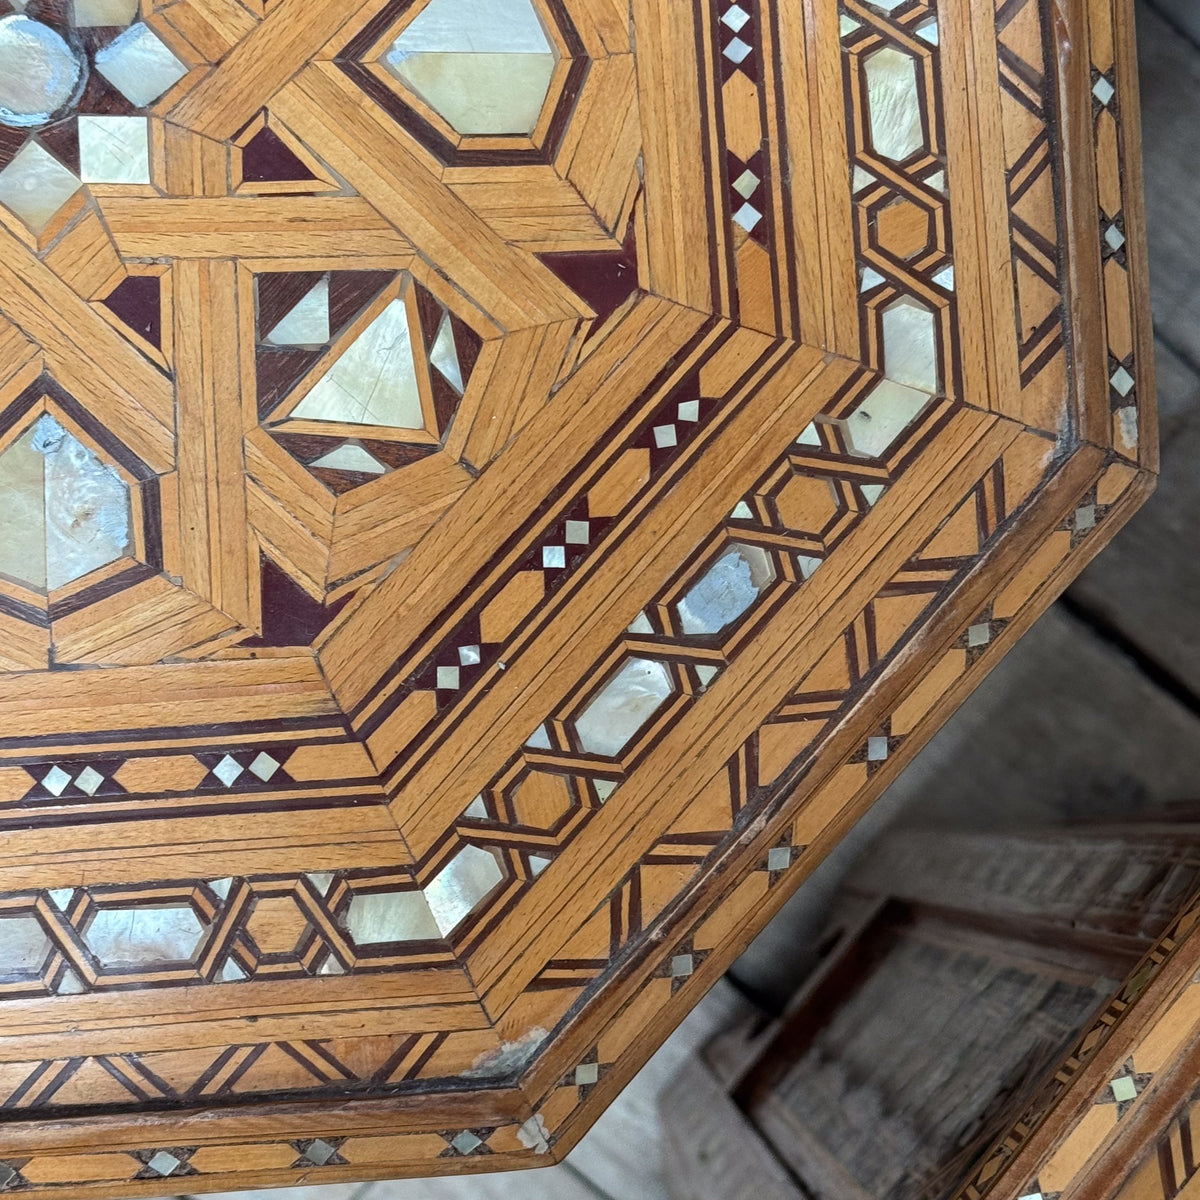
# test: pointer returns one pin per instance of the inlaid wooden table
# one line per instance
(491, 490)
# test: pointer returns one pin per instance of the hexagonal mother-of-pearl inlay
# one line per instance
(483, 65)
(63, 512)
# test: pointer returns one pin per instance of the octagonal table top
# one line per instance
(489, 491)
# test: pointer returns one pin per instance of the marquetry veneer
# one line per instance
(961, 977)
(491, 492)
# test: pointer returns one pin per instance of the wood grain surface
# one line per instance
(539, 533)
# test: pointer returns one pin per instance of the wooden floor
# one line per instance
(1096, 712)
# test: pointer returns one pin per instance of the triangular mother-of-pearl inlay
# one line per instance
(444, 355)
(484, 65)
(308, 323)
(375, 380)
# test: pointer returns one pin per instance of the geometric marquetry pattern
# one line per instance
(688, 949)
(274, 927)
(1091, 1147)
(714, 823)
(543, 536)
(748, 787)
(796, 515)
(339, 307)
(1172, 1163)
(466, 659)
(1114, 191)
(1026, 83)
(279, 767)
(755, 165)
(902, 223)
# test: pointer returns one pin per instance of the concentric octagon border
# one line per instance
(1007, 529)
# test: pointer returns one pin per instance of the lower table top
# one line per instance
(489, 491)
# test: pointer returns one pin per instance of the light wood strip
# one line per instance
(288, 540)
(155, 620)
(979, 199)
(618, 588)
(812, 97)
(367, 149)
(1081, 203)
(526, 369)
(214, 27)
(290, 510)
(376, 521)
(475, 534)
(121, 850)
(683, 245)
(599, 153)
(85, 257)
(20, 360)
(136, 698)
(87, 356)
(241, 226)
(490, 1108)
(192, 165)
(720, 721)
(1134, 195)
(23, 647)
(215, 560)
(259, 65)
(603, 26)
(367, 1005)
(298, 493)
(533, 207)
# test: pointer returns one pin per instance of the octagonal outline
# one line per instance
(690, 955)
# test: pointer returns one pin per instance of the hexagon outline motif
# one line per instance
(761, 279)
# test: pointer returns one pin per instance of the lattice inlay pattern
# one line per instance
(488, 488)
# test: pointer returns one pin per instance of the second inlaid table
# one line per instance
(490, 490)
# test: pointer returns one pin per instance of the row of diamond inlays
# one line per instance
(772, 542)
(564, 545)
(1115, 251)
